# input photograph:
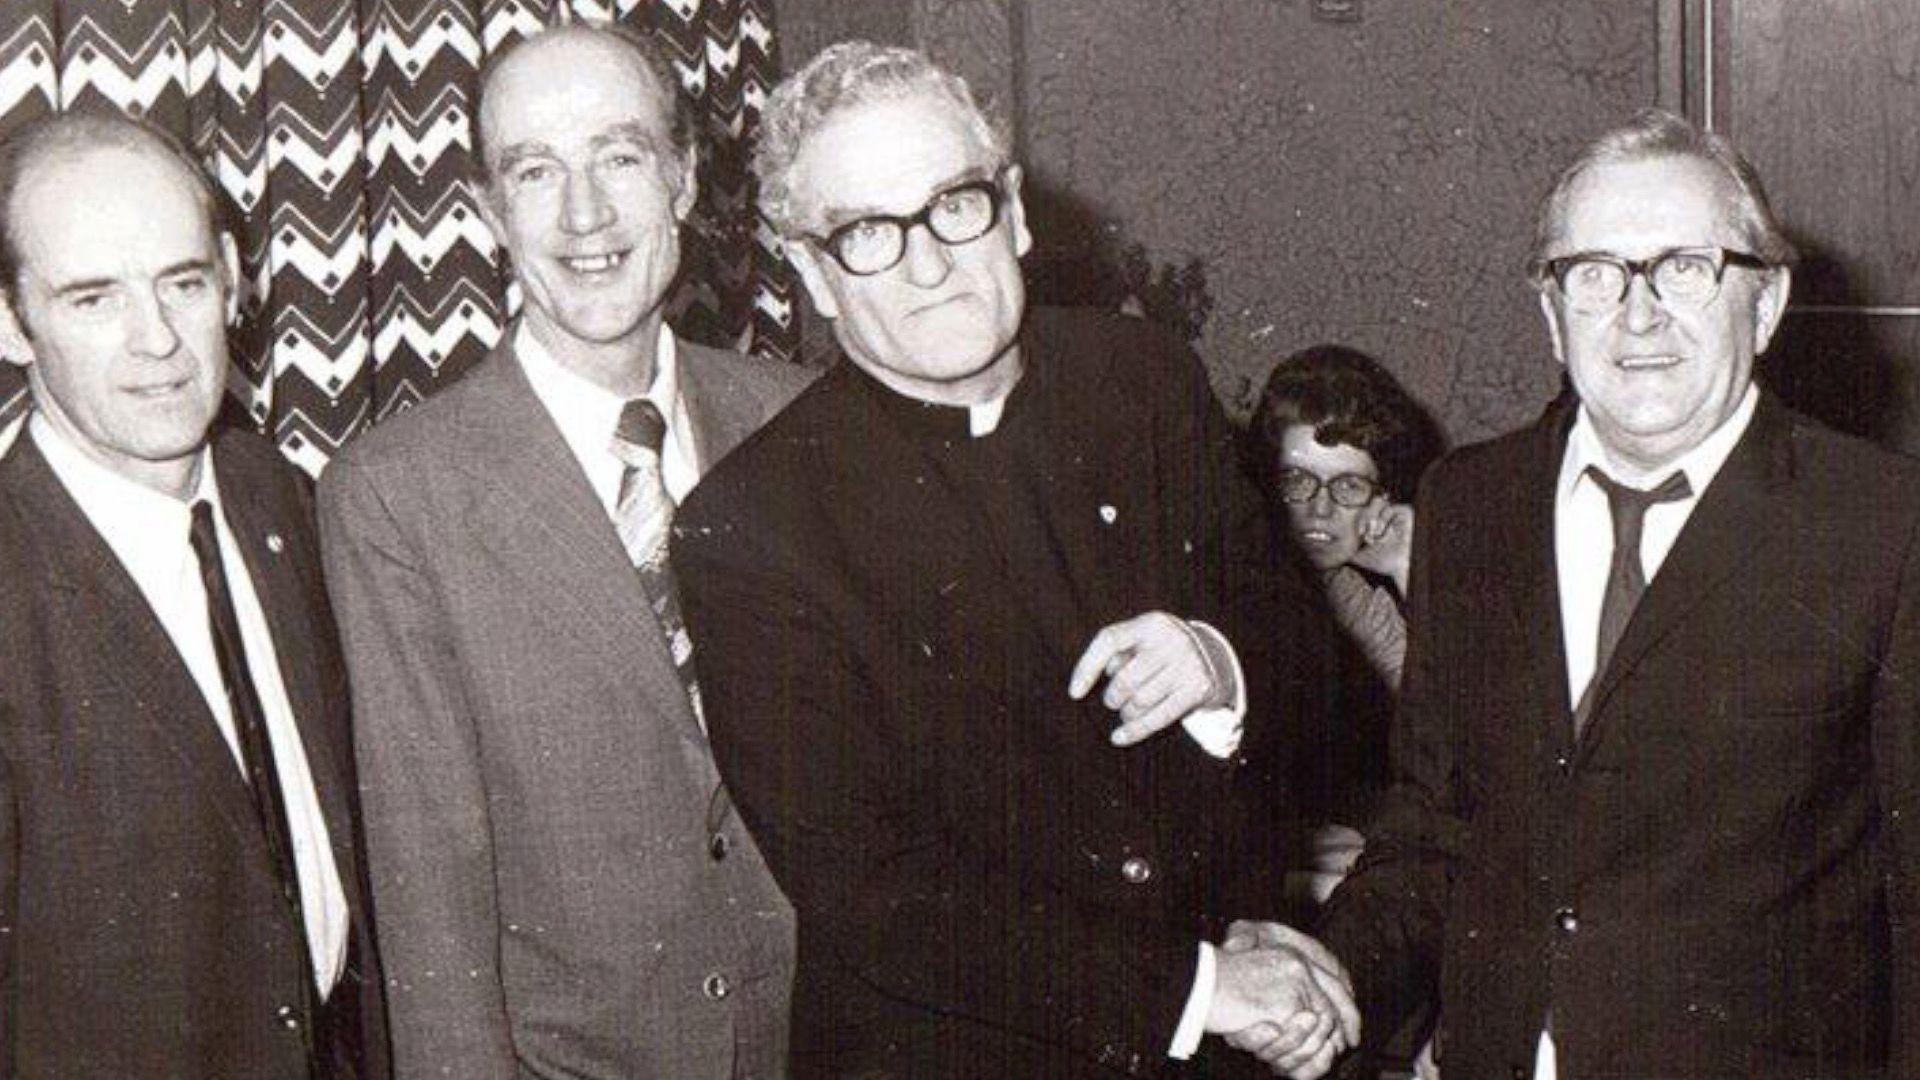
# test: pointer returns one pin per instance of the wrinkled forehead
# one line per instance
(1641, 206)
(887, 156)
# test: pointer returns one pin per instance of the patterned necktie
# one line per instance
(1626, 577)
(643, 516)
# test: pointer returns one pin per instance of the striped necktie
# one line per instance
(643, 516)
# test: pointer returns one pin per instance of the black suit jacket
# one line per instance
(1718, 876)
(985, 886)
(141, 928)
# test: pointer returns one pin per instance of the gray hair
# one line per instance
(1657, 133)
(845, 75)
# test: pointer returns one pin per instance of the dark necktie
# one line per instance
(1626, 579)
(643, 516)
(249, 719)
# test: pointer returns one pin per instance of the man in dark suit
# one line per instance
(180, 891)
(1655, 758)
(563, 886)
(905, 589)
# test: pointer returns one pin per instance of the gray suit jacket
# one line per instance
(561, 886)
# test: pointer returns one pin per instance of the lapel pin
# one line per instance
(1108, 514)
(275, 544)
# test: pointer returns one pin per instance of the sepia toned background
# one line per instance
(1262, 174)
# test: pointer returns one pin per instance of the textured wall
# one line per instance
(1272, 180)
(1288, 180)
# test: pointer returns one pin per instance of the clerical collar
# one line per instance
(952, 423)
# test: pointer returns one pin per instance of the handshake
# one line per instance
(1281, 996)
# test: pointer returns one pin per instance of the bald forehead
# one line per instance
(566, 59)
(1612, 202)
(70, 141)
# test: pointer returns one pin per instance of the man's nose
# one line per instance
(1642, 310)
(150, 329)
(1321, 505)
(584, 207)
(927, 259)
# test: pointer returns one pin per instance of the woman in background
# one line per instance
(1342, 447)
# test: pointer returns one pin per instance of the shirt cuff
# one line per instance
(1218, 730)
(1193, 1021)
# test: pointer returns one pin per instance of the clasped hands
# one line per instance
(1282, 997)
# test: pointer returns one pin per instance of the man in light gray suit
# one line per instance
(561, 884)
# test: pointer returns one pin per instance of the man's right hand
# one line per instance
(1271, 1000)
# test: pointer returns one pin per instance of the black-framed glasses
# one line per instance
(1595, 281)
(958, 215)
(1350, 490)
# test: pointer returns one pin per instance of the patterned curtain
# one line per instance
(340, 132)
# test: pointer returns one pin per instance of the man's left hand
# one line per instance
(1156, 670)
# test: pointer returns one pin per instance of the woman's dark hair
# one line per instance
(1345, 396)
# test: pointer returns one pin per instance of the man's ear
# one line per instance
(689, 187)
(230, 276)
(15, 347)
(1552, 316)
(483, 198)
(1017, 212)
(1770, 306)
(814, 277)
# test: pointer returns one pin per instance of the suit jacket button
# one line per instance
(1136, 870)
(719, 846)
(1567, 920)
(716, 986)
(287, 1019)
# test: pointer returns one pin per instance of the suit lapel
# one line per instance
(278, 557)
(1735, 514)
(109, 619)
(722, 415)
(1533, 543)
(545, 508)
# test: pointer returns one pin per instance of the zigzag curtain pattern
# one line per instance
(340, 132)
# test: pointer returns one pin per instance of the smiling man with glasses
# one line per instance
(1654, 766)
(928, 592)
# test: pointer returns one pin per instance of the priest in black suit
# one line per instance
(181, 891)
(922, 593)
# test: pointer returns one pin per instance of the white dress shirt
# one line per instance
(148, 532)
(1583, 552)
(588, 413)
(1583, 525)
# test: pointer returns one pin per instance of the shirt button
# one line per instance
(719, 846)
(1567, 920)
(1136, 870)
(716, 986)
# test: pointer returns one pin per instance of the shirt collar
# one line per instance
(116, 505)
(587, 413)
(1700, 464)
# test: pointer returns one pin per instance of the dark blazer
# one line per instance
(985, 886)
(142, 932)
(1718, 877)
(563, 887)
